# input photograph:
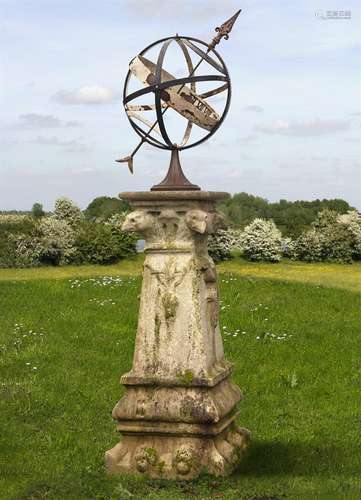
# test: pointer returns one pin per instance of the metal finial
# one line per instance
(224, 30)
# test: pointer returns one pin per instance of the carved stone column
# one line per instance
(177, 415)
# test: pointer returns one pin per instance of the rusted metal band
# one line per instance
(204, 55)
(134, 115)
(172, 83)
(188, 59)
(213, 92)
(158, 91)
(155, 141)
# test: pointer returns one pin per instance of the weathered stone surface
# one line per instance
(178, 404)
(177, 414)
(177, 456)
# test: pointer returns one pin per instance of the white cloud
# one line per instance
(304, 129)
(88, 94)
(35, 120)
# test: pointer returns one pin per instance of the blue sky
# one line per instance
(293, 130)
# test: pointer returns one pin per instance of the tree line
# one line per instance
(291, 217)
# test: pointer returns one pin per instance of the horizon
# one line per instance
(83, 208)
(293, 130)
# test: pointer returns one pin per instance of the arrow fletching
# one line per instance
(128, 160)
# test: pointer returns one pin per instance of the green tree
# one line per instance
(103, 207)
(37, 211)
(291, 217)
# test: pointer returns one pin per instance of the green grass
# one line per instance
(302, 392)
(127, 267)
(325, 274)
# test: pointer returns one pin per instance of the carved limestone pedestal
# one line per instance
(177, 415)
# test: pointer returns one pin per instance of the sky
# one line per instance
(292, 131)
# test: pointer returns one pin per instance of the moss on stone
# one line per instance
(188, 457)
(170, 304)
(160, 466)
(169, 246)
(157, 323)
(185, 377)
(196, 278)
(151, 455)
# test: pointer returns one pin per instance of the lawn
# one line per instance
(325, 274)
(296, 347)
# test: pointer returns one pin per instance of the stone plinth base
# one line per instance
(177, 456)
(177, 415)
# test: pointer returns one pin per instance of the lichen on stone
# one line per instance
(151, 455)
(185, 460)
(160, 467)
(185, 377)
(157, 323)
(170, 304)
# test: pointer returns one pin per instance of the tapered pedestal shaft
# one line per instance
(177, 416)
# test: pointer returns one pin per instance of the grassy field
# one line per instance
(325, 274)
(296, 346)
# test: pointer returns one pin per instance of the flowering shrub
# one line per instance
(13, 218)
(57, 239)
(235, 239)
(100, 243)
(288, 247)
(336, 244)
(26, 250)
(67, 211)
(308, 246)
(6, 252)
(67, 237)
(352, 222)
(16, 223)
(116, 220)
(333, 237)
(218, 246)
(16, 244)
(222, 243)
(261, 240)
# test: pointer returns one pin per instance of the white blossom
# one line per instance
(352, 222)
(308, 246)
(66, 210)
(57, 240)
(261, 240)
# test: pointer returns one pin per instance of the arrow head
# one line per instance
(224, 30)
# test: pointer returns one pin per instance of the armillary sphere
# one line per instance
(204, 109)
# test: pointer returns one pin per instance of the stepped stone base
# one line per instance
(178, 457)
